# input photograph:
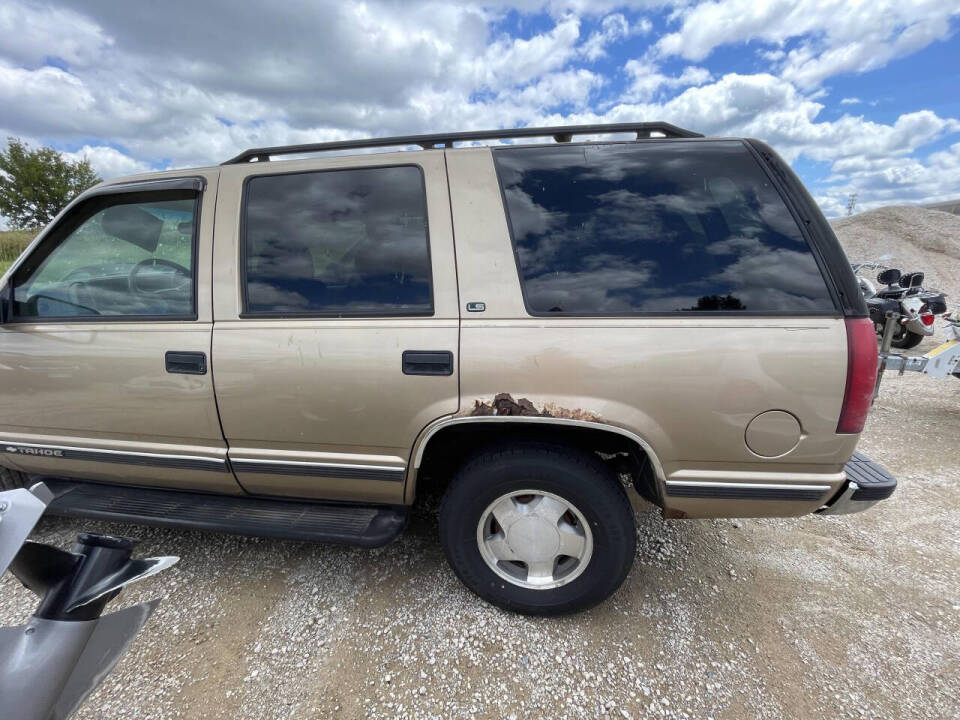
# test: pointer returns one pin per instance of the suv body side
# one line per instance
(684, 387)
(319, 406)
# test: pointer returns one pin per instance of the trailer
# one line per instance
(941, 362)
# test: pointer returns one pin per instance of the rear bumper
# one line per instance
(867, 484)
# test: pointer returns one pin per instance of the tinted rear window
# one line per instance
(621, 229)
(337, 243)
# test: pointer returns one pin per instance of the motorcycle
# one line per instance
(904, 295)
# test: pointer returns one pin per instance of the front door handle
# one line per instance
(186, 363)
(427, 362)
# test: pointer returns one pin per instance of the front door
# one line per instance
(336, 330)
(105, 345)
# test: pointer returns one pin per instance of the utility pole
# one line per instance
(851, 203)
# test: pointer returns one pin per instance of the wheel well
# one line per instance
(451, 446)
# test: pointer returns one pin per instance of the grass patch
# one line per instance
(12, 243)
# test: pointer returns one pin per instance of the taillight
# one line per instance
(927, 317)
(861, 374)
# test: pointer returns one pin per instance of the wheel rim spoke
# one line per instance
(572, 541)
(500, 548)
(540, 571)
(550, 508)
(506, 512)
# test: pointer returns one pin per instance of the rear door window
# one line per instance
(653, 228)
(337, 243)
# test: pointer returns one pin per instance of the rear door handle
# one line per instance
(427, 362)
(186, 363)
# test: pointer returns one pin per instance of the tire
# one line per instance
(600, 515)
(907, 340)
(11, 479)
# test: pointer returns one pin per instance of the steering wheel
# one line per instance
(157, 262)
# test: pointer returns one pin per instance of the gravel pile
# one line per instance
(918, 238)
(850, 617)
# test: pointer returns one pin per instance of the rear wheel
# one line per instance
(906, 340)
(11, 479)
(538, 529)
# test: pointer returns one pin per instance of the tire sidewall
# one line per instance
(604, 506)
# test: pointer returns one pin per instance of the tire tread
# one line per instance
(11, 479)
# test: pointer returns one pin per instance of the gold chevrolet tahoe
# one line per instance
(542, 329)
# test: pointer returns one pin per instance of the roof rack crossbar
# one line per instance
(560, 134)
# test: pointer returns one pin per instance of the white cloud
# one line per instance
(815, 61)
(647, 80)
(574, 87)
(771, 108)
(893, 180)
(837, 36)
(30, 34)
(108, 162)
(41, 100)
(612, 28)
(172, 93)
(516, 60)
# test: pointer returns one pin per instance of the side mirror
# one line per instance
(132, 224)
(889, 277)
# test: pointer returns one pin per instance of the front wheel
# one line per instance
(538, 529)
(11, 479)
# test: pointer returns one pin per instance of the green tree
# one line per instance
(35, 184)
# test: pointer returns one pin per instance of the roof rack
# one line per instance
(428, 142)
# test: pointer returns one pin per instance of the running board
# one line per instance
(362, 525)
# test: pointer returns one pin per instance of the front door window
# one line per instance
(116, 258)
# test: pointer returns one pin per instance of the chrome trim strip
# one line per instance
(330, 470)
(756, 476)
(745, 491)
(770, 486)
(127, 457)
(392, 468)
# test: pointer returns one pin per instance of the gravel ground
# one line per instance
(849, 617)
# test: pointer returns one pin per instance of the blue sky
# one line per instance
(861, 97)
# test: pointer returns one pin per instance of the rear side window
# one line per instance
(621, 229)
(337, 243)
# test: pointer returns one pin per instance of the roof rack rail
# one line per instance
(427, 142)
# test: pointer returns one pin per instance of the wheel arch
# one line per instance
(649, 480)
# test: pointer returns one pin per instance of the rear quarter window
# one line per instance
(653, 228)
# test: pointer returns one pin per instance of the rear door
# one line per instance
(336, 329)
(104, 350)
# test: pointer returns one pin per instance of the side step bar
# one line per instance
(365, 526)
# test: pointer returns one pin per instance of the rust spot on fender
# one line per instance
(503, 404)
